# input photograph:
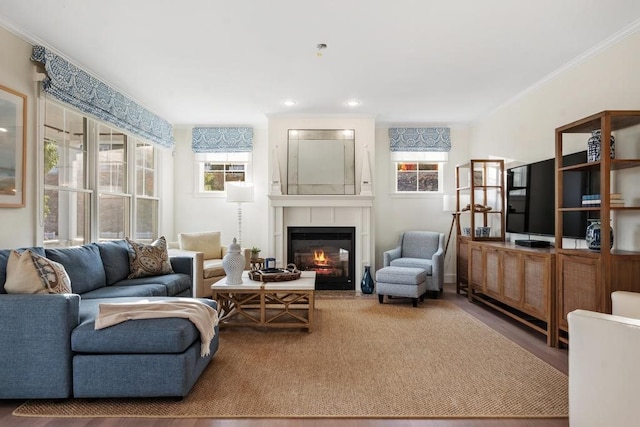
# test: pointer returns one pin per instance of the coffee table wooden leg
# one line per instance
(312, 309)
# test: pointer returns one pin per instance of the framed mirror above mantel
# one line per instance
(321, 161)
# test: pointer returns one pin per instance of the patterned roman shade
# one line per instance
(420, 139)
(222, 140)
(72, 85)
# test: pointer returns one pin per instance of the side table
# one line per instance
(257, 263)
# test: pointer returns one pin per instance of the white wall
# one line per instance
(395, 213)
(524, 130)
(195, 212)
(18, 226)
(22, 226)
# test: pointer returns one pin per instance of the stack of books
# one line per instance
(616, 199)
(593, 200)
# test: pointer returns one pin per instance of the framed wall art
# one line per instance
(13, 146)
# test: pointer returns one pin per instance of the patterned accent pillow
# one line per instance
(148, 260)
(29, 273)
(207, 242)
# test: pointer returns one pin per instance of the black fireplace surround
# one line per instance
(329, 251)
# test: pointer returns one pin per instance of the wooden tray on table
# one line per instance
(275, 274)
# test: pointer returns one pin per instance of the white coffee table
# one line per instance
(288, 304)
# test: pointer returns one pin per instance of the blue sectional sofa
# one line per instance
(49, 347)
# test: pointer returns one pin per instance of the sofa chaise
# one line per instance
(49, 347)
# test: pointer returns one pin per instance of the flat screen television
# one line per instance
(531, 197)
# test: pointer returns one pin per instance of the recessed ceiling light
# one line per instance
(3, 130)
(289, 102)
(353, 103)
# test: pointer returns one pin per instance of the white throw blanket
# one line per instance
(205, 318)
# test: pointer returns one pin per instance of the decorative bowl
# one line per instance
(483, 231)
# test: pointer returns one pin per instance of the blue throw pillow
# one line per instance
(115, 258)
(83, 265)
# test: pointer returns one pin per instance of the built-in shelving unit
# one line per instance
(586, 278)
(479, 204)
(518, 282)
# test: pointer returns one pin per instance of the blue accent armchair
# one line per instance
(420, 249)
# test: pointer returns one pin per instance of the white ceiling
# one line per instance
(408, 61)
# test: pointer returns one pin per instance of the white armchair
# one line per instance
(604, 372)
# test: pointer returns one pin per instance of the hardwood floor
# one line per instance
(528, 339)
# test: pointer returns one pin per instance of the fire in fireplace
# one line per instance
(329, 251)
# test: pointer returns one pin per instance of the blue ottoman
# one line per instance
(409, 282)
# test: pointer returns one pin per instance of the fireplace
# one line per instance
(329, 251)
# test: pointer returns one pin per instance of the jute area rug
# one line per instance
(362, 360)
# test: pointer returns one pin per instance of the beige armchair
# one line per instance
(207, 252)
(604, 372)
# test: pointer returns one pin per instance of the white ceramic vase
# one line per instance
(233, 264)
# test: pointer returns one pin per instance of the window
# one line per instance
(215, 175)
(417, 176)
(66, 202)
(84, 158)
(418, 172)
(113, 200)
(147, 202)
(216, 169)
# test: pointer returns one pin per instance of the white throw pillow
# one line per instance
(29, 273)
(207, 242)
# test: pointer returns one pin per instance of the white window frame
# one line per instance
(201, 159)
(91, 169)
(144, 196)
(436, 158)
(71, 188)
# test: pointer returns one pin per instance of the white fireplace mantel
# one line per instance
(322, 210)
(322, 201)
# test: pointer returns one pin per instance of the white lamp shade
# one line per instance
(239, 192)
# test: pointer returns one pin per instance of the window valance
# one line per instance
(222, 139)
(72, 85)
(419, 139)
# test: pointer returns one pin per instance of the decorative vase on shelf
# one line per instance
(233, 264)
(366, 285)
(594, 146)
(593, 236)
